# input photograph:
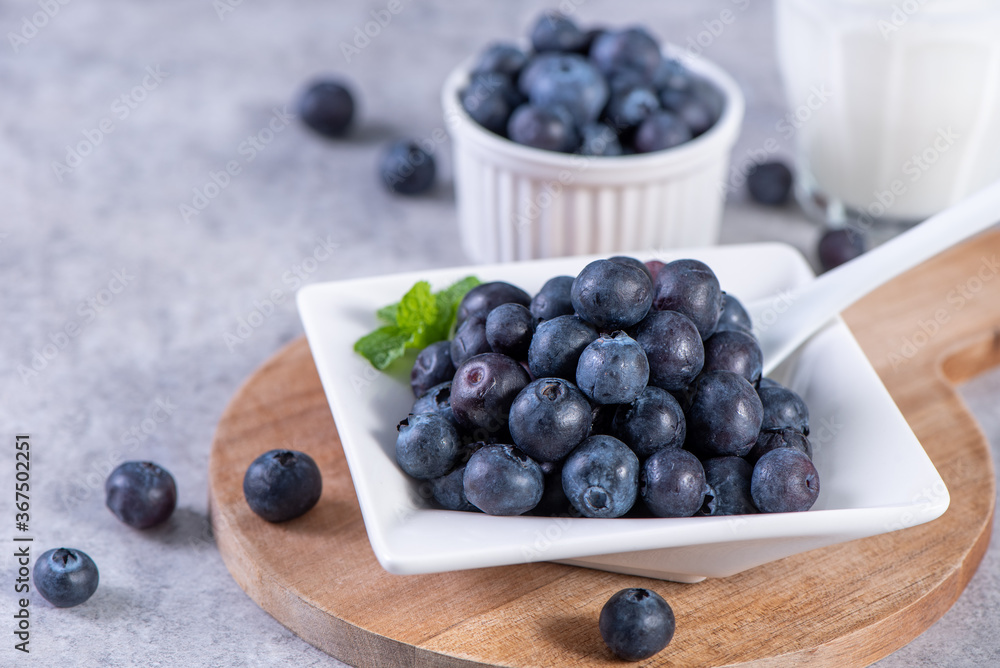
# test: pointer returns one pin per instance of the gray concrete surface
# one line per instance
(118, 314)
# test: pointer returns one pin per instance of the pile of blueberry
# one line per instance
(631, 388)
(599, 92)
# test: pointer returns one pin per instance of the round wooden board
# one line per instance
(845, 605)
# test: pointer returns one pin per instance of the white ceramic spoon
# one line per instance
(782, 325)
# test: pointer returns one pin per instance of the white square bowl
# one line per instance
(874, 475)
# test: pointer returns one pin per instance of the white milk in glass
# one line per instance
(896, 102)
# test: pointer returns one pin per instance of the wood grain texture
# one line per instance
(845, 605)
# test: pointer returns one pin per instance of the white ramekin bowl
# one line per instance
(518, 203)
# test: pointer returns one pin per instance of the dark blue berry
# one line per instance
(612, 370)
(673, 483)
(612, 295)
(840, 245)
(65, 577)
(770, 183)
(733, 315)
(470, 339)
(483, 390)
(549, 418)
(554, 502)
(556, 32)
(659, 131)
(632, 262)
(141, 494)
(449, 491)
(432, 367)
(784, 438)
(487, 296)
(550, 129)
(636, 624)
(487, 100)
(501, 58)
(673, 348)
(427, 446)
(327, 107)
(435, 400)
(556, 346)
(502, 480)
(572, 82)
(406, 168)
(783, 409)
(601, 477)
(784, 481)
(631, 48)
(282, 484)
(598, 139)
(509, 328)
(692, 288)
(553, 299)
(728, 481)
(725, 415)
(630, 107)
(736, 351)
(653, 421)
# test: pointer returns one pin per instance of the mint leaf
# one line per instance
(417, 308)
(448, 301)
(387, 314)
(382, 346)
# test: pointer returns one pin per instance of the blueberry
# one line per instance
(736, 351)
(570, 81)
(692, 288)
(327, 107)
(553, 299)
(733, 315)
(554, 502)
(435, 400)
(141, 494)
(673, 348)
(427, 446)
(550, 129)
(487, 100)
(651, 422)
(65, 577)
(767, 382)
(549, 418)
(406, 168)
(671, 75)
(784, 438)
(632, 48)
(784, 481)
(602, 419)
(487, 296)
(630, 107)
(501, 58)
(612, 370)
(598, 139)
(282, 484)
(556, 32)
(509, 328)
(725, 415)
(654, 267)
(502, 480)
(728, 481)
(770, 183)
(470, 339)
(484, 388)
(673, 483)
(556, 346)
(783, 409)
(699, 105)
(661, 130)
(840, 245)
(632, 262)
(612, 295)
(449, 491)
(694, 113)
(601, 477)
(432, 367)
(636, 624)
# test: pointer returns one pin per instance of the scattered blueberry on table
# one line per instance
(840, 245)
(327, 107)
(596, 92)
(65, 577)
(141, 494)
(281, 485)
(770, 183)
(636, 624)
(407, 169)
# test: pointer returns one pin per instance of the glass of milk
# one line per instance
(894, 104)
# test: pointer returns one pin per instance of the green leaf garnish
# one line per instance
(419, 319)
